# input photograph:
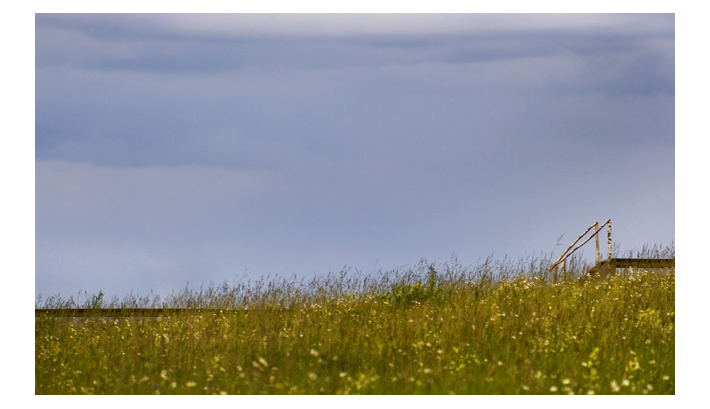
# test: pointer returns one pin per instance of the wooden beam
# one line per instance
(128, 312)
(596, 232)
(643, 262)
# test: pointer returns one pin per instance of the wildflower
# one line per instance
(614, 386)
(263, 361)
(314, 352)
(312, 376)
(565, 382)
(553, 388)
(625, 382)
(191, 384)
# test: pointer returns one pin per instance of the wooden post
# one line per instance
(596, 235)
(608, 238)
(554, 274)
(564, 271)
(568, 253)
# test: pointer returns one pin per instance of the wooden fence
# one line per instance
(597, 228)
(609, 265)
(132, 312)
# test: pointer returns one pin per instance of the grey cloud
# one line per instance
(147, 43)
(215, 26)
(179, 116)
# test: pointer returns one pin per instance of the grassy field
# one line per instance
(496, 328)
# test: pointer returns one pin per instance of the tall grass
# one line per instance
(500, 327)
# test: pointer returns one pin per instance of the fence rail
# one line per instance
(597, 228)
(609, 266)
(127, 312)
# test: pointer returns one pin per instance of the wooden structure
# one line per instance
(597, 228)
(132, 312)
(609, 265)
(116, 312)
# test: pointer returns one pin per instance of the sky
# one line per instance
(176, 149)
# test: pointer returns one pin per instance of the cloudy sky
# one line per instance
(194, 148)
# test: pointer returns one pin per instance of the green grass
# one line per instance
(497, 328)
